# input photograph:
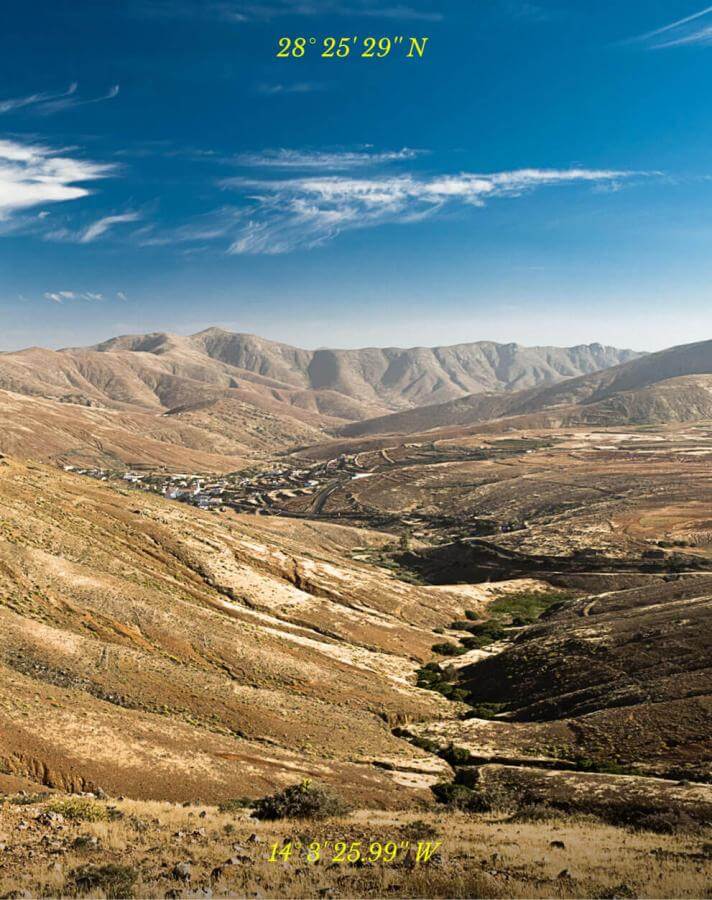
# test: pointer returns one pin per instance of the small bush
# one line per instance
(425, 743)
(672, 820)
(301, 801)
(492, 630)
(456, 756)
(535, 812)
(456, 796)
(235, 804)
(114, 880)
(79, 809)
(607, 767)
(479, 798)
(448, 649)
(420, 830)
(471, 615)
(485, 710)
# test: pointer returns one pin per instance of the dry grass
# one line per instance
(227, 853)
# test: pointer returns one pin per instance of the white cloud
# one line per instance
(101, 226)
(33, 174)
(324, 160)
(46, 104)
(297, 87)
(62, 296)
(682, 32)
(287, 214)
(13, 103)
(239, 11)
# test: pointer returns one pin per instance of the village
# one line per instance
(262, 492)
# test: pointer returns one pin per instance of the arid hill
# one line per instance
(217, 437)
(159, 651)
(673, 385)
(623, 677)
(167, 371)
(214, 400)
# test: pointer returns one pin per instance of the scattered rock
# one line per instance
(86, 842)
(182, 871)
(52, 819)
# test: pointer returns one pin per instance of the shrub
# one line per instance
(479, 798)
(485, 710)
(114, 880)
(492, 630)
(456, 756)
(456, 796)
(235, 804)
(419, 830)
(607, 767)
(536, 812)
(471, 615)
(301, 801)
(425, 743)
(525, 607)
(79, 809)
(448, 649)
(671, 820)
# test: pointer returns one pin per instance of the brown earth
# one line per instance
(159, 651)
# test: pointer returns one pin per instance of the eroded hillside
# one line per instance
(159, 651)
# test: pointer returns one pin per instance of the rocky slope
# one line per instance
(673, 385)
(165, 371)
(161, 652)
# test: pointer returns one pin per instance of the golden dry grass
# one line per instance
(481, 856)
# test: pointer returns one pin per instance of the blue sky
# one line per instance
(542, 175)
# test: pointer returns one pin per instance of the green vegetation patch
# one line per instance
(78, 809)
(525, 607)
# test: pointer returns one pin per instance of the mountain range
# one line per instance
(673, 385)
(213, 399)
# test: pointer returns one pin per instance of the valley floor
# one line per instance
(495, 642)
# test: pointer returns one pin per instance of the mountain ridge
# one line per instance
(672, 385)
(232, 396)
(377, 380)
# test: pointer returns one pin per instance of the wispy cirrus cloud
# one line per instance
(255, 10)
(34, 174)
(99, 228)
(279, 216)
(296, 87)
(65, 296)
(323, 160)
(47, 104)
(693, 29)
